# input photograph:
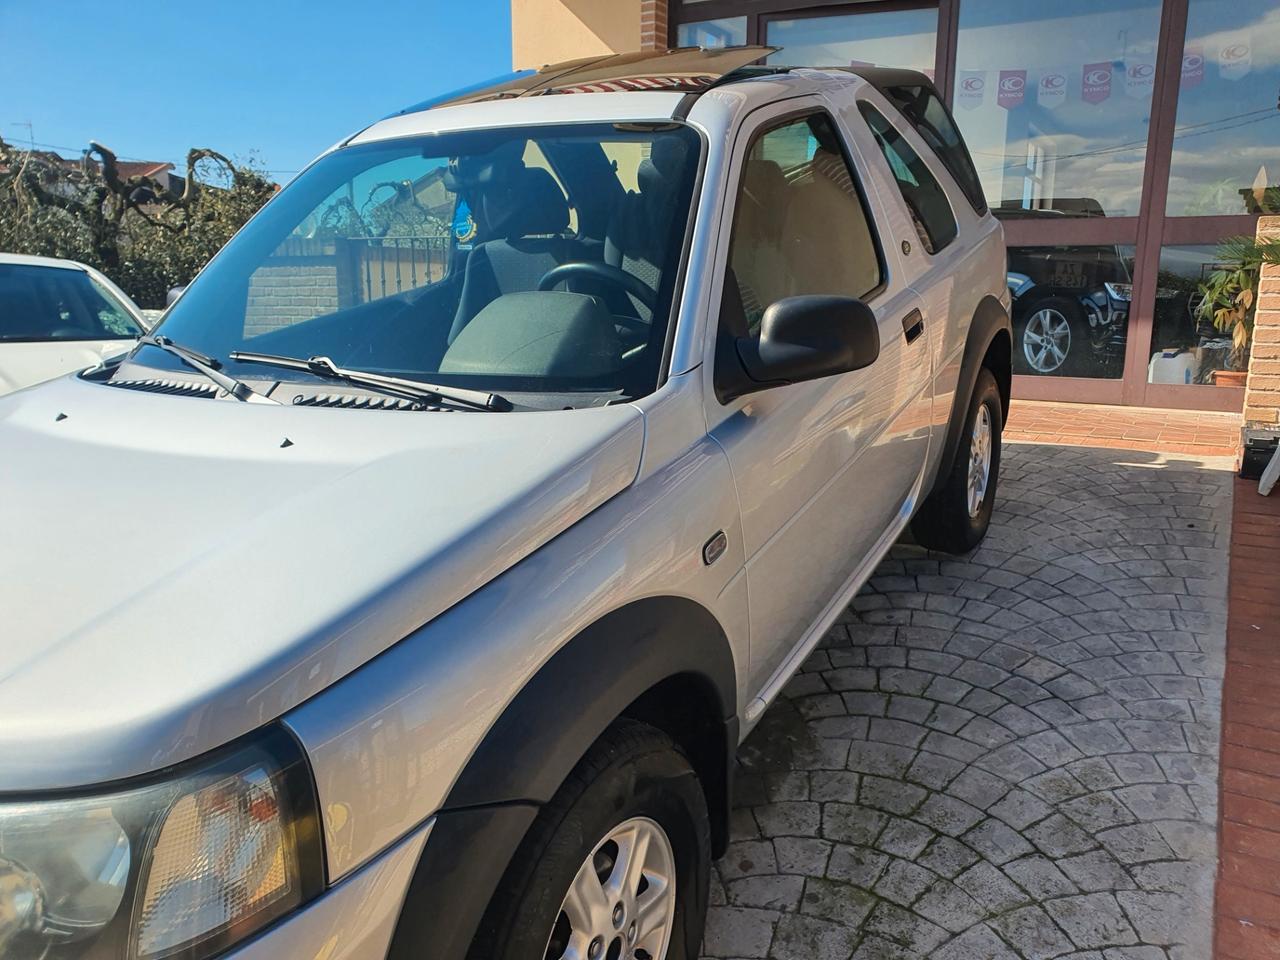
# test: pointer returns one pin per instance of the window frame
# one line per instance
(864, 105)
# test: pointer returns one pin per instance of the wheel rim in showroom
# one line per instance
(622, 902)
(979, 460)
(1046, 340)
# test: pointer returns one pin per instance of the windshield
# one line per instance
(539, 260)
(57, 303)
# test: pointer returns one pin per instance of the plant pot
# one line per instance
(1230, 378)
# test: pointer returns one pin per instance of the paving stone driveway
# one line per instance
(1009, 754)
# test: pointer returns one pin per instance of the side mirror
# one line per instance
(173, 294)
(802, 338)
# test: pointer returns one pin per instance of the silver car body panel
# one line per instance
(354, 920)
(388, 742)
(327, 551)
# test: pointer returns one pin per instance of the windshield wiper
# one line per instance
(413, 389)
(209, 367)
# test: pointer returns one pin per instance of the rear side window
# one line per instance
(921, 106)
(800, 226)
(925, 197)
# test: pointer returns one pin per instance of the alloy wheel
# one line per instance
(1046, 341)
(979, 460)
(622, 902)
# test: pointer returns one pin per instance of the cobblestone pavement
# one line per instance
(1008, 754)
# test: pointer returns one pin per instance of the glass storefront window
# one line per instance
(897, 38)
(725, 32)
(1226, 142)
(1054, 100)
(1185, 346)
(1070, 309)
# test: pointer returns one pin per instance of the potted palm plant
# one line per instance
(1229, 298)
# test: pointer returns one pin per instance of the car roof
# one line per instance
(623, 87)
(29, 260)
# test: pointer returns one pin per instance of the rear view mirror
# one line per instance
(173, 294)
(803, 338)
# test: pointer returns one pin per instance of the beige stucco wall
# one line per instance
(548, 31)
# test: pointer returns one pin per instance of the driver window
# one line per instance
(799, 225)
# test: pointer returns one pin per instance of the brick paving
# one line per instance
(1010, 754)
(1124, 428)
(1248, 891)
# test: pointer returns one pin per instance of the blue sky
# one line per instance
(281, 79)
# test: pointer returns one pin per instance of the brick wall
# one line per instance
(1262, 392)
(284, 295)
(653, 25)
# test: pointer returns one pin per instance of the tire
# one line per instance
(633, 775)
(1053, 339)
(946, 521)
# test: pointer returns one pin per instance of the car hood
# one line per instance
(23, 363)
(175, 571)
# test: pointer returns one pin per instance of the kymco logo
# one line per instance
(1097, 77)
(973, 84)
(1012, 84)
(1235, 52)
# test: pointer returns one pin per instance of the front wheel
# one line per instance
(1054, 339)
(615, 867)
(957, 514)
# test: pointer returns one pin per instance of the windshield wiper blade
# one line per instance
(209, 367)
(413, 389)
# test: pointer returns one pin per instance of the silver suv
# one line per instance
(407, 592)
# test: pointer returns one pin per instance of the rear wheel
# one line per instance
(615, 867)
(956, 516)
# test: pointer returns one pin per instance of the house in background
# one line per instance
(1119, 140)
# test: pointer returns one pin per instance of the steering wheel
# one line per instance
(595, 270)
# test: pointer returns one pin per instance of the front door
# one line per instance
(824, 470)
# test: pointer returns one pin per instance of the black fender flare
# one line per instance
(610, 669)
(990, 323)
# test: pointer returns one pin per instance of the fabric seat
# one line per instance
(641, 223)
(532, 245)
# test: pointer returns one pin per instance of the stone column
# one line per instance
(1262, 390)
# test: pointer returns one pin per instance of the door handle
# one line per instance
(913, 326)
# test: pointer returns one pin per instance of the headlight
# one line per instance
(1120, 291)
(182, 867)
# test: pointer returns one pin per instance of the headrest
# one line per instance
(467, 173)
(764, 181)
(537, 204)
(661, 171)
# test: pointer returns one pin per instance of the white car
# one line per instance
(58, 316)
(433, 598)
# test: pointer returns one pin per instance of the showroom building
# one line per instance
(1118, 140)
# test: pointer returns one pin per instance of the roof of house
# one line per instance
(141, 168)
